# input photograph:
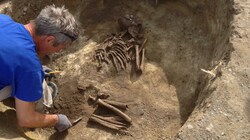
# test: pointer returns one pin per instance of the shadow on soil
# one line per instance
(58, 135)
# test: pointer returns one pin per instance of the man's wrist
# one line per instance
(56, 119)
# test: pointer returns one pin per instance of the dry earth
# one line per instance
(173, 98)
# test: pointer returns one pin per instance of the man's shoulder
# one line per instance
(30, 61)
(5, 20)
(5, 17)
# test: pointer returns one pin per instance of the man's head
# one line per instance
(55, 29)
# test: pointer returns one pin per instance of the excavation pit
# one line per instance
(183, 38)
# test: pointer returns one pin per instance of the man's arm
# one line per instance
(28, 117)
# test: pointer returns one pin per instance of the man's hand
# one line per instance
(63, 123)
(47, 74)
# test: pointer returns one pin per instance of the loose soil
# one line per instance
(173, 98)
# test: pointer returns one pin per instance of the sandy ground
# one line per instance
(165, 95)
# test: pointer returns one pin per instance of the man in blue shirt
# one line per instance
(21, 72)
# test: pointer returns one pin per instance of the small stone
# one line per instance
(190, 126)
(223, 134)
(209, 127)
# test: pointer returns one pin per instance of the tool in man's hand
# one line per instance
(49, 73)
(76, 121)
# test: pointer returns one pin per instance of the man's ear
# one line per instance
(50, 40)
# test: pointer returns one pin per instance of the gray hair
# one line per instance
(58, 22)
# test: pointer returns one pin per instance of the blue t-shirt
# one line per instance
(20, 66)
